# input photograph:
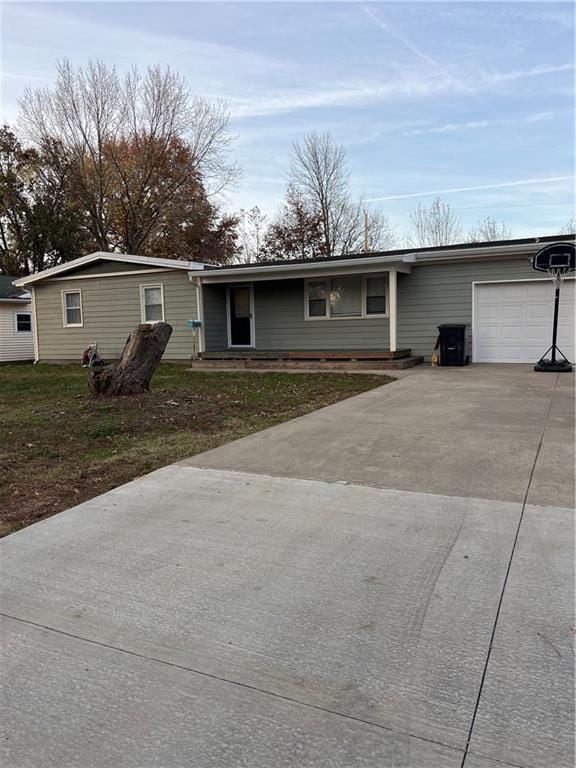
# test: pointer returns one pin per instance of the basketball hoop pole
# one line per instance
(557, 260)
(555, 326)
(554, 365)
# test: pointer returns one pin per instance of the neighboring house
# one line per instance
(16, 327)
(389, 301)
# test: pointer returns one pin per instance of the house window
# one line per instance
(318, 298)
(23, 322)
(152, 300)
(375, 296)
(346, 297)
(72, 304)
(349, 296)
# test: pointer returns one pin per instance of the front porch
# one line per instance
(340, 315)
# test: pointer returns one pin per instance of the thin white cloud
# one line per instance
(390, 30)
(335, 95)
(543, 69)
(456, 190)
(358, 93)
(537, 117)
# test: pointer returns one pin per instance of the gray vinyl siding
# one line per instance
(280, 323)
(215, 319)
(442, 293)
(428, 296)
(111, 310)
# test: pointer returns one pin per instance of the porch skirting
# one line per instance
(363, 360)
(254, 354)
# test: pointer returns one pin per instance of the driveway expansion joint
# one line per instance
(254, 688)
(507, 575)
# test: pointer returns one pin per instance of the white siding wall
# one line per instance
(14, 346)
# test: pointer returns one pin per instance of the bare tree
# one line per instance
(123, 133)
(381, 233)
(252, 233)
(319, 174)
(489, 230)
(318, 171)
(434, 225)
(570, 227)
(367, 229)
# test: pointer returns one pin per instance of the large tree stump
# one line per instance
(140, 357)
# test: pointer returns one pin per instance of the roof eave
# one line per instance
(386, 261)
(103, 255)
(16, 299)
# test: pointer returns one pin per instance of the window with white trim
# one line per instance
(317, 298)
(72, 306)
(375, 295)
(23, 322)
(348, 296)
(152, 300)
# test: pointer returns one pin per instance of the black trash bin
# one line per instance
(453, 344)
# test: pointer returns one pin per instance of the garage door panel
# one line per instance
(490, 333)
(506, 292)
(510, 354)
(539, 291)
(489, 312)
(512, 333)
(538, 335)
(512, 312)
(513, 321)
(540, 310)
(565, 311)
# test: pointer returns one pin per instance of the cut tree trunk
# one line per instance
(140, 357)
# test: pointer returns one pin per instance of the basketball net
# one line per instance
(557, 274)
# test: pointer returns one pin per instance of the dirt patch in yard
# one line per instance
(60, 446)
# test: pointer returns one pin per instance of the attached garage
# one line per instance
(513, 320)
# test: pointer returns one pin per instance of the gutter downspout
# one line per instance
(197, 283)
(393, 322)
(35, 323)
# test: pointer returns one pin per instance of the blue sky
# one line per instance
(473, 100)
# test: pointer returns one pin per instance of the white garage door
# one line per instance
(513, 321)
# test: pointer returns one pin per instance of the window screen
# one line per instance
(241, 301)
(346, 297)
(73, 308)
(317, 299)
(153, 304)
(23, 322)
(376, 296)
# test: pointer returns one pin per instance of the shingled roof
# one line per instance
(9, 291)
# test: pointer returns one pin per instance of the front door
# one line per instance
(240, 313)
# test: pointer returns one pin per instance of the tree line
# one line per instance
(136, 164)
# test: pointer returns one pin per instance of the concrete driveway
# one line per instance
(386, 582)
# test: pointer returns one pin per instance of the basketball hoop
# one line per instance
(557, 260)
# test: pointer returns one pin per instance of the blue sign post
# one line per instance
(195, 325)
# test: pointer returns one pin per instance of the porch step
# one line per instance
(370, 354)
(310, 365)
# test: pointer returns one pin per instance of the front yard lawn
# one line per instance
(60, 446)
